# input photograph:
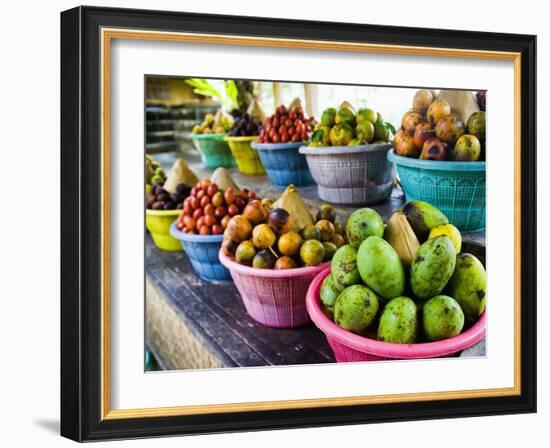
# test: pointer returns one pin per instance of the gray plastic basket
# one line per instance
(351, 175)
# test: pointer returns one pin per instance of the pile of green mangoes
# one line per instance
(406, 281)
(348, 127)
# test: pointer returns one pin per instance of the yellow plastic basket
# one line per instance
(158, 223)
(248, 160)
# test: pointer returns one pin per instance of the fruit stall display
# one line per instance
(404, 290)
(245, 130)
(208, 138)
(164, 200)
(199, 228)
(274, 250)
(440, 154)
(347, 156)
(278, 143)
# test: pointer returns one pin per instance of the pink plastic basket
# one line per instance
(275, 298)
(349, 347)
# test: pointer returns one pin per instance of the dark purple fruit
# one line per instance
(279, 220)
(264, 259)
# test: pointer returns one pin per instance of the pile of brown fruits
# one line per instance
(157, 198)
(207, 210)
(264, 238)
(435, 130)
(245, 125)
(286, 126)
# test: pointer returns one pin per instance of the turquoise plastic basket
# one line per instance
(214, 150)
(455, 188)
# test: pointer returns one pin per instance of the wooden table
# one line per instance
(193, 324)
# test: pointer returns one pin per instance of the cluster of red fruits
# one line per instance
(207, 210)
(286, 126)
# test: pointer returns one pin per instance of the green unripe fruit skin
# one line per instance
(399, 321)
(442, 318)
(468, 286)
(380, 267)
(328, 294)
(344, 270)
(423, 217)
(355, 308)
(363, 223)
(432, 267)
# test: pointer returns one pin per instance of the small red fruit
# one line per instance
(197, 213)
(220, 212)
(209, 209)
(233, 210)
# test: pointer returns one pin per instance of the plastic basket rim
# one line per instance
(242, 138)
(233, 266)
(207, 136)
(152, 212)
(387, 349)
(194, 238)
(276, 146)
(435, 165)
(337, 150)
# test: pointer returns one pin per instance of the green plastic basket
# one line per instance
(214, 150)
(455, 188)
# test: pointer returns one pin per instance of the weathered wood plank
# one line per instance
(217, 319)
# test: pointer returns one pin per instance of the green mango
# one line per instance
(328, 117)
(363, 223)
(380, 267)
(399, 321)
(468, 286)
(329, 293)
(432, 267)
(343, 266)
(355, 308)
(442, 318)
(423, 217)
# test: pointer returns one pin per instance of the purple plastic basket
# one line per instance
(275, 298)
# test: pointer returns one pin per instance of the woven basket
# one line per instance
(284, 164)
(214, 150)
(350, 347)
(202, 251)
(158, 224)
(351, 175)
(275, 298)
(455, 188)
(248, 161)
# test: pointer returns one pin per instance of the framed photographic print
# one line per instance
(276, 224)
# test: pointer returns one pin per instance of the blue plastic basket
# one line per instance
(284, 164)
(455, 188)
(202, 251)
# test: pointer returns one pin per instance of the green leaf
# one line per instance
(390, 127)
